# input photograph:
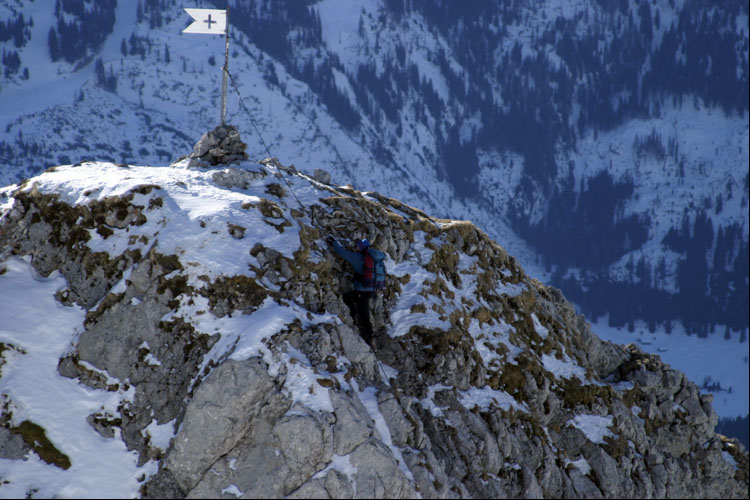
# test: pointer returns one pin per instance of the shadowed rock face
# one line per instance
(485, 383)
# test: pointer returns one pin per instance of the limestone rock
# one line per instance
(12, 445)
(220, 413)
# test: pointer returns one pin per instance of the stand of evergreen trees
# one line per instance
(712, 270)
(17, 29)
(74, 40)
(106, 80)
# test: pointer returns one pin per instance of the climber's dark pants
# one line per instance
(359, 307)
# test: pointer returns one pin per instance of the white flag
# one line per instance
(207, 21)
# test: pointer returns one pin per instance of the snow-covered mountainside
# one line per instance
(180, 331)
(604, 143)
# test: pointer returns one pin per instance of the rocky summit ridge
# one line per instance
(211, 306)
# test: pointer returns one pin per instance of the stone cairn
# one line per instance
(220, 146)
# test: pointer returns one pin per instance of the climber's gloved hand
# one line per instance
(330, 239)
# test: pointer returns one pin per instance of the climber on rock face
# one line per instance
(369, 276)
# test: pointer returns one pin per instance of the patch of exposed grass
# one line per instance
(275, 190)
(575, 394)
(36, 438)
(229, 293)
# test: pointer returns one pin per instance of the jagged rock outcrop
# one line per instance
(225, 319)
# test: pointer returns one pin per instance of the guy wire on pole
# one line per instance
(263, 142)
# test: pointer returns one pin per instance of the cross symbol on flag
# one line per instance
(207, 21)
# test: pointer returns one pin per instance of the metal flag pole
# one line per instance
(201, 17)
(225, 72)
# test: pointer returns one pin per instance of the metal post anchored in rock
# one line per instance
(214, 22)
(224, 72)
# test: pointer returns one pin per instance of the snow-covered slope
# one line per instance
(427, 104)
(172, 330)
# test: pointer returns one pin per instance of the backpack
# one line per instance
(373, 274)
